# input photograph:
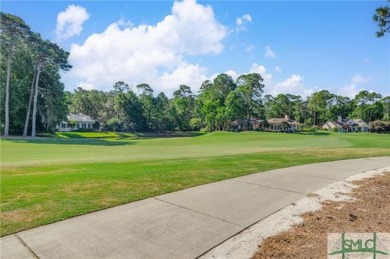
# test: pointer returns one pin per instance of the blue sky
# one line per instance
(297, 46)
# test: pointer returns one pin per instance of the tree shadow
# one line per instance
(71, 141)
(169, 134)
(314, 133)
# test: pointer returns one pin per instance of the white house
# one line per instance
(76, 121)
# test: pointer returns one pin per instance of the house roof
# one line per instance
(345, 122)
(276, 120)
(242, 121)
(358, 122)
(281, 120)
(79, 117)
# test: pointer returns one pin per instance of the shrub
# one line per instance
(379, 126)
(310, 129)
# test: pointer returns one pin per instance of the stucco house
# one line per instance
(76, 121)
(283, 124)
(346, 125)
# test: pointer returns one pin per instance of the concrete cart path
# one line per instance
(183, 224)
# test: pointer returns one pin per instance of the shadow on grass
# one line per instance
(314, 133)
(70, 141)
(169, 134)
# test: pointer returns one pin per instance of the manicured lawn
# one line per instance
(50, 179)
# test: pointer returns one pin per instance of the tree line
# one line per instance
(217, 105)
(31, 90)
(35, 100)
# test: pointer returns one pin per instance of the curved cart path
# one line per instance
(183, 224)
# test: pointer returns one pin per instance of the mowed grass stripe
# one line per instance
(36, 195)
(26, 152)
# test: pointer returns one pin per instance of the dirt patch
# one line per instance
(368, 212)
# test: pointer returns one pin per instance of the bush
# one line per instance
(379, 126)
(310, 129)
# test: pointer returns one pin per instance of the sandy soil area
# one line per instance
(368, 211)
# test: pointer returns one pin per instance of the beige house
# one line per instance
(76, 121)
(254, 124)
(346, 125)
(283, 124)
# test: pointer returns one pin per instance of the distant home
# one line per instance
(76, 121)
(283, 124)
(238, 125)
(346, 125)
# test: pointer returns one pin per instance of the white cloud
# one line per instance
(187, 74)
(262, 71)
(255, 68)
(269, 52)
(359, 79)
(277, 69)
(352, 88)
(241, 22)
(70, 22)
(292, 85)
(349, 90)
(153, 54)
(233, 74)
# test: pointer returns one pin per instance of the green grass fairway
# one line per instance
(49, 179)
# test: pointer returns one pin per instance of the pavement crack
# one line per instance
(198, 212)
(242, 230)
(317, 176)
(26, 246)
(272, 187)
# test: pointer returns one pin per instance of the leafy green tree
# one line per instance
(113, 124)
(183, 106)
(251, 88)
(195, 124)
(128, 108)
(21, 76)
(341, 106)
(163, 121)
(281, 105)
(318, 104)
(301, 111)
(269, 110)
(368, 106)
(386, 108)
(235, 105)
(212, 101)
(48, 56)
(382, 17)
(52, 105)
(148, 104)
(13, 31)
(92, 103)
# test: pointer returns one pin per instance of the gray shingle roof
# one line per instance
(79, 117)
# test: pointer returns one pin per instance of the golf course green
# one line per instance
(45, 180)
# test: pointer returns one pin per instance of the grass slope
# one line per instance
(46, 180)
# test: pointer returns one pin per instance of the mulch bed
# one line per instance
(369, 213)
